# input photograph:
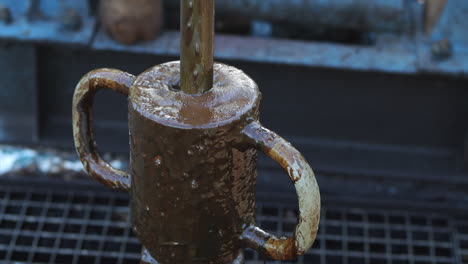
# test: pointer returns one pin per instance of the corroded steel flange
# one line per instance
(193, 166)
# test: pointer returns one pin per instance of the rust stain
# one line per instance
(203, 191)
(302, 176)
(281, 249)
(194, 201)
(82, 124)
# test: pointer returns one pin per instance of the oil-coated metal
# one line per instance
(193, 166)
(82, 124)
(196, 45)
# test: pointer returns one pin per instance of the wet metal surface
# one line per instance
(86, 147)
(193, 165)
(303, 177)
(193, 188)
(196, 46)
(233, 95)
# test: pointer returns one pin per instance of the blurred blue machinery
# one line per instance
(396, 26)
(56, 21)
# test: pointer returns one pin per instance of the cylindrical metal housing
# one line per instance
(193, 166)
(193, 183)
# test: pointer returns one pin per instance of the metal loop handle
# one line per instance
(307, 191)
(85, 145)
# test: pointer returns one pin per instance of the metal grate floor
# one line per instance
(81, 225)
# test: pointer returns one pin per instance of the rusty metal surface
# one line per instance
(83, 126)
(193, 153)
(196, 46)
(307, 190)
(193, 187)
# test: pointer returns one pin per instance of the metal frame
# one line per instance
(75, 222)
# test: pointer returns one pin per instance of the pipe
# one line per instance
(196, 45)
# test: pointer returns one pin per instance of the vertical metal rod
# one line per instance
(196, 45)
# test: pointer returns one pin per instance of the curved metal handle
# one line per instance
(85, 145)
(307, 191)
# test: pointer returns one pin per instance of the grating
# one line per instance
(81, 225)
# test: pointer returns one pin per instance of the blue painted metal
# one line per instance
(452, 26)
(399, 52)
(391, 55)
(407, 53)
(41, 21)
(368, 15)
